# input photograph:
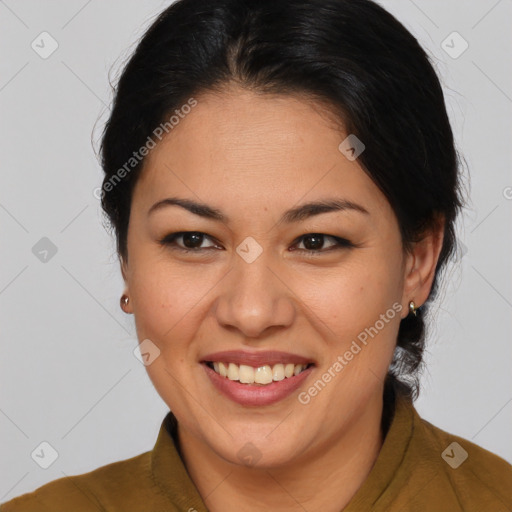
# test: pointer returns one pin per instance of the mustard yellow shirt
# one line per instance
(420, 468)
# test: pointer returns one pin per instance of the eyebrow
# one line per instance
(296, 214)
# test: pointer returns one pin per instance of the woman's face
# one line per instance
(252, 286)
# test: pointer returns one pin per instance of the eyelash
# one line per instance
(341, 243)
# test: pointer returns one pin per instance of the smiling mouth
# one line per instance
(262, 375)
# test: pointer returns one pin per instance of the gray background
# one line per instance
(68, 372)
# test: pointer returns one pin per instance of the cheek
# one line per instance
(161, 297)
(167, 307)
(170, 303)
(350, 297)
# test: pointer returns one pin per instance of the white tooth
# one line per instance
(216, 367)
(298, 369)
(232, 371)
(263, 375)
(223, 370)
(278, 372)
(288, 370)
(246, 374)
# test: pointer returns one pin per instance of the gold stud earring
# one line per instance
(412, 308)
(124, 301)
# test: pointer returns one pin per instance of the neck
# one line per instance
(338, 467)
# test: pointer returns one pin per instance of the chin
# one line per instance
(257, 451)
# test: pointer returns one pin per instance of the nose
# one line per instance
(255, 299)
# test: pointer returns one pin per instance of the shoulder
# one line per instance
(472, 473)
(113, 483)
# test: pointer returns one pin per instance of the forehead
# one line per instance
(240, 146)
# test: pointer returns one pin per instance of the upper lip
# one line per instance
(256, 359)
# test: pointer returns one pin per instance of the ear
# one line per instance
(124, 273)
(124, 268)
(420, 266)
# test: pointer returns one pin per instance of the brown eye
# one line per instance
(314, 243)
(191, 241)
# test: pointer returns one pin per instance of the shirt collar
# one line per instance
(170, 473)
(172, 477)
(389, 460)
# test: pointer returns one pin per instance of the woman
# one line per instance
(283, 184)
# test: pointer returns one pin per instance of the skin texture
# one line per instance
(254, 156)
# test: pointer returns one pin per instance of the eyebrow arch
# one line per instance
(296, 214)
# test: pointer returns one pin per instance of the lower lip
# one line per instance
(257, 395)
